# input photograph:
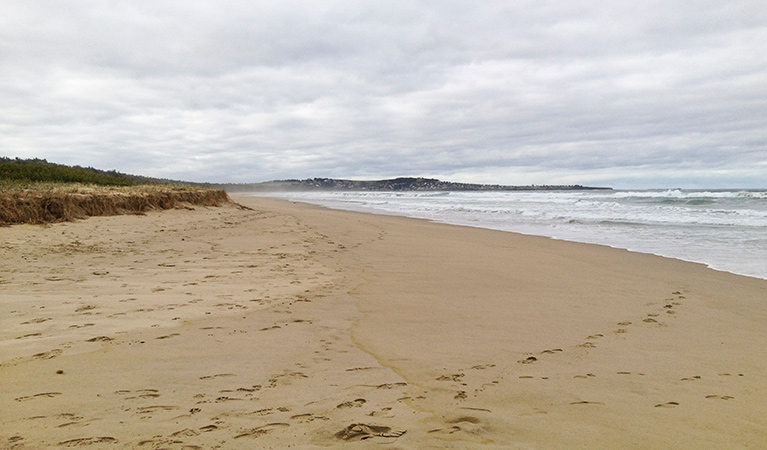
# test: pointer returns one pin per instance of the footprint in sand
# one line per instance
(381, 412)
(361, 431)
(247, 391)
(70, 416)
(36, 396)
(286, 378)
(269, 411)
(185, 432)
(149, 393)
(29, 335)
(303, 418)
(391, 385)
(467, 424)
(48, 355)
(487, 366)
(81, 442)
(357, 403)
(260, 431)
(208, 377)
(168, 336)
(38, 320)
(148, 411)
(667, 405)
(227, 399)
(551, 351)
(77, 423)
(164, 443)
(457, 377)
(141, 393)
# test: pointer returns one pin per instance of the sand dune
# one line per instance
(293, 326)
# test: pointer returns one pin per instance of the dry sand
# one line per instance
(293, 326)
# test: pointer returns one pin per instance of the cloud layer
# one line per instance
(630, 94)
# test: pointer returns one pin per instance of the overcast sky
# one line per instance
(629, 94)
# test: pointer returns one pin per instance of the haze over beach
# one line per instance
(137, 312)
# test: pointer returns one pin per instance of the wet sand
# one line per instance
(294, 326)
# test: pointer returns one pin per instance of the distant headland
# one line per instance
(394, 184)
(20, 174)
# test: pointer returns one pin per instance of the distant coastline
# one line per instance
(394, 184)
(20, 173)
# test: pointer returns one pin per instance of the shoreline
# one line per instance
(715, 265)
(297, 324)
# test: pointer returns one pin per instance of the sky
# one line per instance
(628, 94)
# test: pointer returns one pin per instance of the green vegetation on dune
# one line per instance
(18, 172)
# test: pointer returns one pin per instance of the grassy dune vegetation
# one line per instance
(38, 192)
(24, 171)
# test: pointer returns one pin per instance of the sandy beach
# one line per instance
(293, 326)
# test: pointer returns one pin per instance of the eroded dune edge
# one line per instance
(59, 203)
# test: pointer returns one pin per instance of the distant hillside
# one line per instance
(395, 184)
(41, 171)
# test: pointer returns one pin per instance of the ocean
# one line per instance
(724, 229)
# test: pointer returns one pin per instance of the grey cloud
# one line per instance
(248, 91)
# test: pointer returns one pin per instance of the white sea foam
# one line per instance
(726, 230)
